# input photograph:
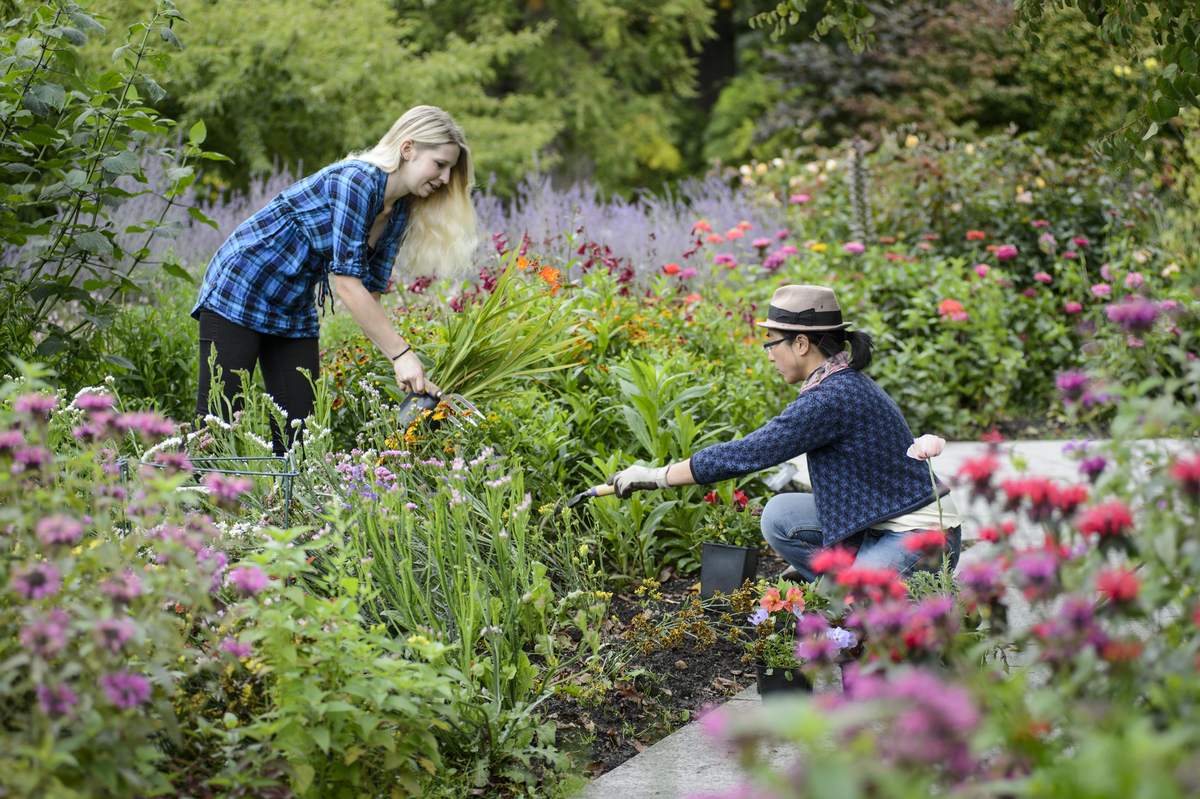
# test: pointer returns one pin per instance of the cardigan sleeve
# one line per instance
(810, 421)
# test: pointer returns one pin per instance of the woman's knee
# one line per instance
(785, 513)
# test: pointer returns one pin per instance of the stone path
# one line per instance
(689, 762)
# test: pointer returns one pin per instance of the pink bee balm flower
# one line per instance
(125, 689)
(90, 401)
(1006, 252)
(982, 269)
(237, 648)
(1042, 277)
(714, 238)
(58, 701)
(249, 580)
(799, 199)
(926, 447)
(853, 247)
(36, 581)
(59, 529)
(111, 634)
(761, 244)
(48, 635)
(1072, 307)
(1101, 290)
(35, 405)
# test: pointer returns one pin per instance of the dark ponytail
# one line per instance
(831, 342)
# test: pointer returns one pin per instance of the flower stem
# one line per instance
(936, 498)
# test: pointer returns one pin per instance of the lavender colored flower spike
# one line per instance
(125, 690)
(48, 635)
(58, 529)
(57, 701)
(36, 581)
(113, 634)
(248, 580)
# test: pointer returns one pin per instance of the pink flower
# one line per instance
(770, 600)
(48, 635)
(225, 490)
(1030, 292)
(853, 247)
(788, 250)
(59, 529)
(57, 701)
(248, 580)
(1080, 241)
(1042, 277)
(36, 406)
(982, 270)
(926, 447)
(782, 234)
(111, 634)
(744, 225)
(1106, 272)
(36, 581)
(734, 233)
(761, 244)
(123, 589)
(714, 238)
(1134, 280)
(125, 689)
(686, 273)
(799, 199)
(1070, 255)
(1040, 223)
(959, 316)
(147, 424)
(1072, 307)
(89, 401)
(1101, 290)
(1006, 252)
(237, 648)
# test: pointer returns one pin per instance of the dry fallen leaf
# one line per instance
(638, 745)
(681, 665)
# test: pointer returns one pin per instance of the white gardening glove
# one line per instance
(638, 478)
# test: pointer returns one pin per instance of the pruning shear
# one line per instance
(413, 405)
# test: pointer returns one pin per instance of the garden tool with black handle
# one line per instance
(413, 405)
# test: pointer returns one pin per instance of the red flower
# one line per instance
(1071, 497)
(929, 541)
(930, 236)
(1187, 472)
(979, 471)
(741, 499)
(992, 437)
(834, 559)
(1111, 519)
(948, 306)
(1041, 493)
(1125, 651)
(862, 577)
(976, 235)
(996, 534)
(711, 496)
(1118, 585)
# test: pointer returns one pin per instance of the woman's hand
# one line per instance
(410, 376)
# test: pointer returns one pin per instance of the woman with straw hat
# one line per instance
(867, 495)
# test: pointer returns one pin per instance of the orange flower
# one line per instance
(522, 262)
(795, 599)
(551, 277)
(948, 306)
(671, 269)
(771, 601)
(745, 225)
(976, 235)
(689, 299)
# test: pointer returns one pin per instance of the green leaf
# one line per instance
(51, 94)
(1150, 131)
(121, 361)
(320, 736)
(153, 90)
(25, 47)
(86, 22)
(198, 133)
(123, 163)
(170, 38)
(304, 777)
(51, 345)
(175, 270)
(94, 241)
(1167, 108)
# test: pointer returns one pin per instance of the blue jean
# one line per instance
(791, 526)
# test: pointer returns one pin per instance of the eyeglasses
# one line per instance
(769, 344)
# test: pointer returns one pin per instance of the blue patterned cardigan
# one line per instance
(856, 439)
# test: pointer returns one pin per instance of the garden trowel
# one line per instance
(601, 490)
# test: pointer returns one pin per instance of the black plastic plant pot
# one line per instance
(724, 568)
(413, 405)
(780, 680)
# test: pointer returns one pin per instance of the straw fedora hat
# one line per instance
(804, 308)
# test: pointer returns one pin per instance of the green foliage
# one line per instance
(68, 134)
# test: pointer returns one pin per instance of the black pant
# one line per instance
(281, 358)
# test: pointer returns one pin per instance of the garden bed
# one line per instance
(659, 692)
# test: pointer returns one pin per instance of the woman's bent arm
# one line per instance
(367, 310)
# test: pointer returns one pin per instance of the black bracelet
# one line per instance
(406, 349)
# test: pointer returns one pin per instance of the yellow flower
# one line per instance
(970, 149)
(911, 140)
(1151, 63)
(818, 247)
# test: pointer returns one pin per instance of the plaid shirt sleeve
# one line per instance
(351, 202)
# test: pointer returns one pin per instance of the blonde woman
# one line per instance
(405, 203)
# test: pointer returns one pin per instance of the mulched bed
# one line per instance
(660, 691)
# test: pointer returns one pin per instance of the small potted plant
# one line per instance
(775, 648)
(729, 554)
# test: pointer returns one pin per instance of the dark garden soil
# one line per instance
(652, 694)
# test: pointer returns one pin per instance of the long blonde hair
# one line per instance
(441, 233)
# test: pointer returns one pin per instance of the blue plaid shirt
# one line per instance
(272, 272)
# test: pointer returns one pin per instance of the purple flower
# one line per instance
(147, 424)
(1072, 385)
(774, 261)
(35, 406)
(983, 579)
(48, 635)
(90, 401)
(112, 634)
(853, 247)
(842, 637)
(759, 616)
(817, 649)
(724, 258)
(1036, 571)
(30, 458)
(57, 701)
(10, 440)
(248, 580)
(237, 648)
(1097, 395)
(173, 462)
(36, 581)
(1136, 317)
(226, 490)
(1092, 467)
(125, 689)
(59, 529)
(123, 589)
